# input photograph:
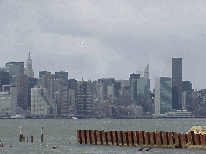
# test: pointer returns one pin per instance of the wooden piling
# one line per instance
(146, 138)
(124, 135)
(177, 140)
(103, 137)
(42, 136)
(165, 140)
(197, 139)
(98, 137)
(88, 136)
(171, 138)
(203, 139)
(190, 137)
(158, 136)
(93, 137)
(141, 138)
(109, 137)
(32, 138)
(21, 138)
(152, 138)
(130, 137)
(183, 140)
(137, 138)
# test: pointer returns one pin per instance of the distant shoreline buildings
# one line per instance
(55, 95)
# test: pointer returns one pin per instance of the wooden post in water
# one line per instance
(41, 134)
(32, 138)
(21, 136)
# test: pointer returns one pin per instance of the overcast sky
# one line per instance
(118, 34)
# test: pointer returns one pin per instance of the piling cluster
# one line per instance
(23, 138)
(141, 138)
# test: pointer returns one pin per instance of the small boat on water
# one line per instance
(74, 117)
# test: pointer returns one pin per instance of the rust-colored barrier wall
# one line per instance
(140, 138)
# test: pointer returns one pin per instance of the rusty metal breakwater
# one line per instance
(140, 138)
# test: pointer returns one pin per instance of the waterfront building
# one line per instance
(39, 104)
(5, 103)
(13, 101)
(85, 99)
(177, 83)
(187, 96)
(163, 95)
(8, 102)
(68, 102)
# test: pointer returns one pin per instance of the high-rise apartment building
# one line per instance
(177, 83)
(85, 99)
(39, 104)
(163, 95)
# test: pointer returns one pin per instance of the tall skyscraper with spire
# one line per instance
(28, 70)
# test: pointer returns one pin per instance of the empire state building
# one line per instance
(28, 70)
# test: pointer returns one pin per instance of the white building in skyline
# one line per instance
(163, 95)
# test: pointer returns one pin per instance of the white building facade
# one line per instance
(39, 104)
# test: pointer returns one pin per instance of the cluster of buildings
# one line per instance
(55, 95)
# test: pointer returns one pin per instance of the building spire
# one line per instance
(28, 70)
(29, 55)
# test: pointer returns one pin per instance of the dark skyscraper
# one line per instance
(177, 83)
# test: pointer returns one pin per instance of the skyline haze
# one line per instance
(117, 37)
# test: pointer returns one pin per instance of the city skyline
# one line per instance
(117, 37)
(138, 71)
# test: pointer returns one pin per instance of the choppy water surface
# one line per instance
(62, 133)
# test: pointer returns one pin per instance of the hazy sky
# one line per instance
(118, 34)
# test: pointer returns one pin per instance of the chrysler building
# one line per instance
(28, 70)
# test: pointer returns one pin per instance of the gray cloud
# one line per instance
(118, 36)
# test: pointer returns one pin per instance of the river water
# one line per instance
(62, 133)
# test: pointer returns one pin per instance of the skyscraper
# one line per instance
(140, 90)
(177, 83)
(133, 86)
(163, 95)
(28, 70)
(85, 99)
(143, 70)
